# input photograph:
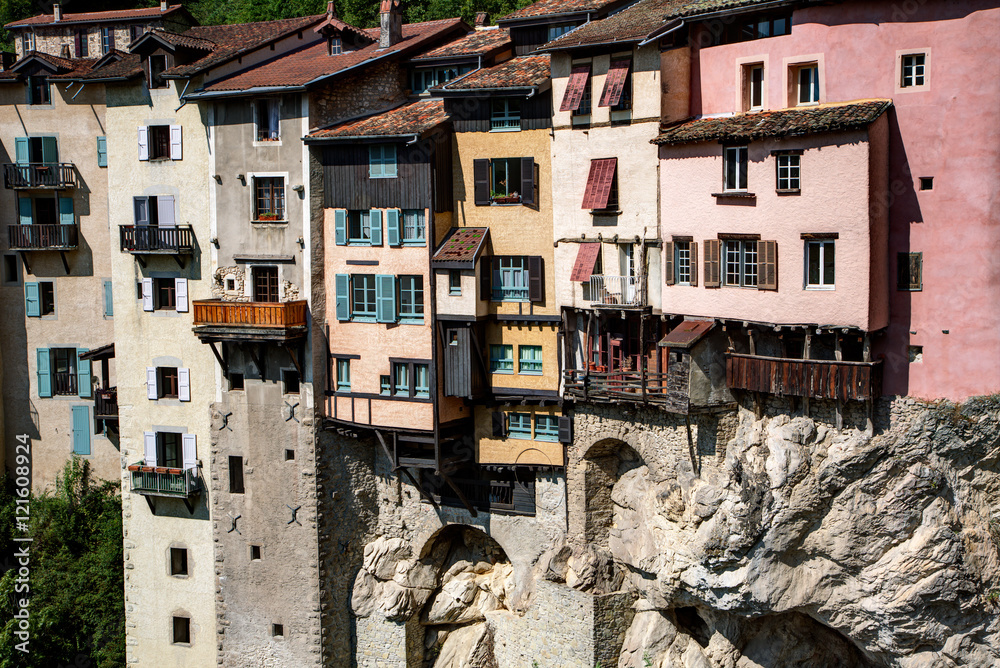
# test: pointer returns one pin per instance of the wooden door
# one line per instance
(265, 284)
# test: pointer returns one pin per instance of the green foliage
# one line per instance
(77, 584)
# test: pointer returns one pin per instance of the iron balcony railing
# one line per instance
(615, 291)
(106, 404)
(153, 239)
(34, 175)
(42, 237)
(163, 481)
(818, 379)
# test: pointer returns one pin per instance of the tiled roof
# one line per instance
(236, 39)
(549, 7)
(521, 72)
(476, 43)
(313, 62)
(129, 66)
(65, 67)
(184, 40)
(463, 244)
(412, 118)
(686, 334)
(629, 25)
(780, 123)
(96, 17)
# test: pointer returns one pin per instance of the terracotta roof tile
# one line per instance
(185, 40)
(780, 123)
(629, 25)
(129, 66)
(66, 67)
(477, 43)
(463, 244)
(313, 62)
(97, 17)
(412, 118)
(549, 7)
(521, 72)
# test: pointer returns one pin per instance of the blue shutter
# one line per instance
(109, 304)
(340, 227)
(140, 206)
(82, 374)
(44, 373)
(392, 227)
(389, 160)
(50, 150)
(24, 210)
(343, 283)
(21, 150)
(32, 301)
(385, 298)
(102, 151)
(375, 218)
(81, 430)
(66, 215)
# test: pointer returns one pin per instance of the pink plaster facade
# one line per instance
(948, 129)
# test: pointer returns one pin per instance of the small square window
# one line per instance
(290, 379)
(546, 427)
(789, 172)
(235, 381)
(178, 561)
(454, 282)
(927, 183)
(38, 90)
(255, 553)
(519, 425)
(289, 455)
(182, 630)
(529, 360)
(278, 630)
(915, 354)
(505, 114)
(343, 375)
(165, 294)
(501, 358)
(913, 70)
(382, 161)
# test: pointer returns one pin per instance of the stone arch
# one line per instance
(603, 464)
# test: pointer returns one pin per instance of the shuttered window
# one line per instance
(342, 290)
(362, 296)
(546, 427)
(586, 260)
(740, 263)
(713, 271)
(385, 298)
(529, 360)
(109, 304)
(615, 84)
(102, 151)
(382, 161)
(81, 430)
(600, 184)
(413, 227)
(577, 88)
(519, 425)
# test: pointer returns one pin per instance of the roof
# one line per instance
(99, 17)
(312, 63)
(412, 118)
(633, 24)
(686, 334)
(64, 67)
(555, 7)
(780, 123)
(476, 43)
(106, 351)
(520, 72)
(462, 245)
(128, 66)
(183, 40)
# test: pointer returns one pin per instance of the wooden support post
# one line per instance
(461, 496)
(642, 355)
(218, 357)
(295, 359)
(806, 353)
(406, 472)
(839, 356)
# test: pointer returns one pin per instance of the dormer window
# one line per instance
(156, 66)
(335, 46)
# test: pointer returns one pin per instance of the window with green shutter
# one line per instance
(343, 296)
(83, 383)
(340, 227)
(393, 234)
(421, 380)
(66, 213)
(546, 427)
(109, 307)
(375, 225)
(385, 298)
(343, 375)
(382, 161)
(81, 430)
(363, 301)
(44, 372)
(32, 300)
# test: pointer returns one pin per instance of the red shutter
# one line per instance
(586, 259)
(79, 44)
(614, 84)
(578, 80)
(602, 174)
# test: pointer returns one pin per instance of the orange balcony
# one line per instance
(217, 320)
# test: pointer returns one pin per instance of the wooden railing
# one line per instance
(618, 385)
(250, 314)
(42, 237)
(64, 383)
(106, 404)
(56, 175)
(818, 379)
(153, 239)
(162, 481)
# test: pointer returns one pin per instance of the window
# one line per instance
(334, 46)
(159, 142)
(400, 378)
(506, 180)
(510, 279)
(735, 163)
(363, 296)
(27, 43)
(915, 354)
(421, 380)
(910, 271)
(927, 183)
(788, 173)
(413, 227)
(178, 561)
(529, 360)
(913, 70)
(82, 45)
(546, 427)
(289, 454)
(560, 30)
(454, 281)
(625, 96)
(741, 263)
(290, 379)
(359, 230)
(519, 425)
(236, 381)
(181, 631)
(157, 66)
(168, 449)
(506, 114)
(343, 375)
(586, 101)
(38, 90)
(47, 297)
(269, 202)
(407, 379)
(501, 358)
(107, 40)
(749, 28)
(266, 113)
(11, 272)
(166, 382)
(135, 32)
(165, 294)
(411, 298)
(265, 284)
(807, 86)
(278, 630)
(385, 385)
(422, 79)
(753, 87)
(601, 193)
(577, 88)
(236, 475)
(255, 553)
(64, 379)
(682, 262)
(820, 264)
(382, 161)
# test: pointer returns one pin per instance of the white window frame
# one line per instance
(741, 154)
(787, 172)
(682, 262)
(746, 257)
(747, 85)
(901, 86)
(822, 244)
(809, 89)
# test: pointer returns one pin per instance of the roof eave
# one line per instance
(411, 137)
(258, 90)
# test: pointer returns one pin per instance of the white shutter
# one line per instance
(189, 444)
(151, 382)
(181, 294)
(144, 143)
(184, 384)
(165, 211)
(175, 142)
(149, 448)
(147, 294)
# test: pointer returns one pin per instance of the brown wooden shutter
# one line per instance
(767, 265)
(528, 182)
(694, 263)
(614, 83)
(78, 38)
(579, 79)
(536, 279)
(499, 422)
(486, 278)
(481, 175)
(713, 275)
(668, 262)
(565, 429)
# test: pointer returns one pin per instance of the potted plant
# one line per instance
(269, 217)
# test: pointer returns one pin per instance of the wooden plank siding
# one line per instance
(256, 314)
(346, 183)
(472, 114)
(817, 379)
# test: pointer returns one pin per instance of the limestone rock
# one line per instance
(460, 647)
(383, 554)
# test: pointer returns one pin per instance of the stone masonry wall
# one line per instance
(378, 88)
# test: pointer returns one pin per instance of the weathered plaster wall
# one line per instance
(515, 451)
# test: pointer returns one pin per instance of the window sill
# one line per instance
(361, 319)
(821, 288)
(415, 244)
(605, 212)
(517, 129)
(267, 142)
(519, 437)
(735, 194)
(160, 159)
(257, 221)
(358, 242)
(410, 321)
(788, 191)
(505, 201)
(500, 372)
(530, 373)
(392, 176)
(553, 439)
(455, 294)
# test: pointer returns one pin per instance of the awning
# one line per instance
(586, 258)
(686, 334)
(614, 84)
(602, 174)
(578, 80)
(102, 353)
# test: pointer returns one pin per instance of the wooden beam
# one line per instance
(406, 472)
(461, 497)
(218, 357)
(65, 262)
(295, 359)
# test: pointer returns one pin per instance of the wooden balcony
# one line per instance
(106, 404)
(217, 320)
(39, 176)
(816, 379)
(162, 481)
(621, 386)
(42, 237)
(153, 240)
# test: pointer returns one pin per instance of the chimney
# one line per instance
(481, 20)
(331, 10)
(391, 24)
(65, 51)
(163, 5)
(56, 13)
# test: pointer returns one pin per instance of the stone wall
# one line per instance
(375, 89)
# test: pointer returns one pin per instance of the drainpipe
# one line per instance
(78, 92)
(183, 101)
(658, 35)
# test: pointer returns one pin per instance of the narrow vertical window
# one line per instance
(236, 475)
(820, 264)
(753, 91)
(682, 262)
(411, 299)
(401, 378)
(421, 380)
(178, 561)
(343, 375)
(382, 161)
(808, 84)
(735, 164)
(107, 40)
(181, 631)
(454, 282)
